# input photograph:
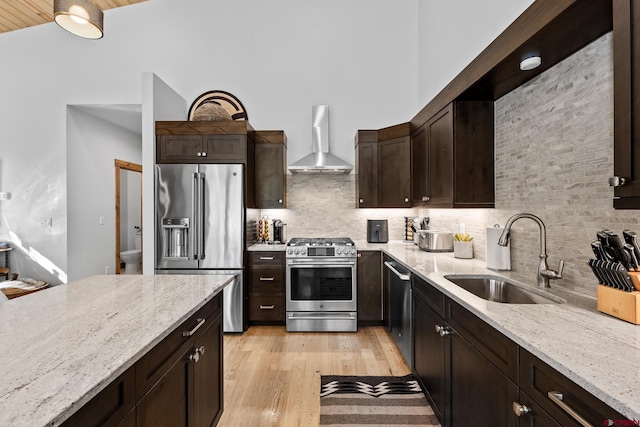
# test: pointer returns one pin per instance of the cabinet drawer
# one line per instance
(110, 406)
(499, 349)
(272, 258)
(537, 379)
(433, 297)
(267, 280)
(267, 307)
(159, 359)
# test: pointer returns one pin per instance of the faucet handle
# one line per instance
(560, 268)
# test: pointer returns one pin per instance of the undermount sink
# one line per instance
(501, 289)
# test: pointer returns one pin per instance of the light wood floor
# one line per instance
(272, 378)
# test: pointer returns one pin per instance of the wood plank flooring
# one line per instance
(272, 378)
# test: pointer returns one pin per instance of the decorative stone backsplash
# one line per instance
(323, 205)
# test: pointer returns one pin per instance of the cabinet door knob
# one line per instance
(617, 181)
(519, 409)
(199, 154)
(204, 154)
(443, 330)
(406, 199)
(195, 357)
(201, 349)
(361, 200)
(280, 201)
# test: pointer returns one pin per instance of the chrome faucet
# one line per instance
(544, 274)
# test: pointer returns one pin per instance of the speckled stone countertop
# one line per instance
(598, 352)
(267, 247)
(59, 347)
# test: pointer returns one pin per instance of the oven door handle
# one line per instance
(403, 277)
(320, 263)
(321, 317)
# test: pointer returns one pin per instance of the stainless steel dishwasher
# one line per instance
(400, 325)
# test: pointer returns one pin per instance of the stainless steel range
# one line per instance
(321, 285)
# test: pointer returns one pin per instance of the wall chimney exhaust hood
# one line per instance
(320, 160)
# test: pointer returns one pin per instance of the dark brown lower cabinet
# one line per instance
(178, 383)
(475, 376)
(430, 356)
(481, 395)
(370, 292)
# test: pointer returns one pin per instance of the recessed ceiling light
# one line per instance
(530, 63)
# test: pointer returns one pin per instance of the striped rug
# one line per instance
(374, 401)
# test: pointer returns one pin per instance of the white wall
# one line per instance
(453, 32)
(92, 147)
(279, 57)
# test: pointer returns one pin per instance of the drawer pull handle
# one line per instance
(556, 397)
(267, 279)
(520, 409)
(267, 307)
(193, 331)
(266, 257)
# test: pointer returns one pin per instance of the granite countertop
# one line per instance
(63, 345)
(596, 351)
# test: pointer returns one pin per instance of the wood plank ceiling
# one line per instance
(17, 14)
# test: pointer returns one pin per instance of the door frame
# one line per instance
(119, 166)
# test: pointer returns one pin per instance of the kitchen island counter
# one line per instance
(594, 350)
(62, 346)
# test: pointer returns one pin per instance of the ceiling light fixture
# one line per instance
(80, 17)
(530, 63)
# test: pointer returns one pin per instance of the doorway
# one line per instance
(128, 216)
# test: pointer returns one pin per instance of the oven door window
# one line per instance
(321, 284)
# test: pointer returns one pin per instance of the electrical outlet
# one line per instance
(106, 270)
(5, 196)
(101, 220)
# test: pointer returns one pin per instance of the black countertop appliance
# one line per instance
(377, 231)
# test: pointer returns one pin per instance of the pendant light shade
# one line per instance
(80, 17)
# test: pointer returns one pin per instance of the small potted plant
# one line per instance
(462, 245)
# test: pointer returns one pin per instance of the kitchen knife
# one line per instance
(603, 238)
(596, 271)
(631, 238)
(607, 274)
(624, 278)
(633, 261)
(598, 251)
(616, 244)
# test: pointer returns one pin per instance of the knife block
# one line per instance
(620, 304)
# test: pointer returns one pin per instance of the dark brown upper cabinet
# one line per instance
(204, 142)
(452, 157)
(366, 169)
(394, 167)
(626, 81)
(383, 159)
(271, 169)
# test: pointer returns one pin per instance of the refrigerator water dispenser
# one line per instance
(175, 233)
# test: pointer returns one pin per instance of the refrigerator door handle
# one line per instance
(201, 196)
(195, 240)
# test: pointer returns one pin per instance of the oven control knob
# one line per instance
(289, 251)
(303, 251)
(296, 251)
(353, 251)
(339, 251)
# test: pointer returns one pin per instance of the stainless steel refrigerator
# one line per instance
(200, 217)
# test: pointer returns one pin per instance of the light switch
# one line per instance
(101, 219)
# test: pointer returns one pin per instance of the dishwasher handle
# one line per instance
(403, 277)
